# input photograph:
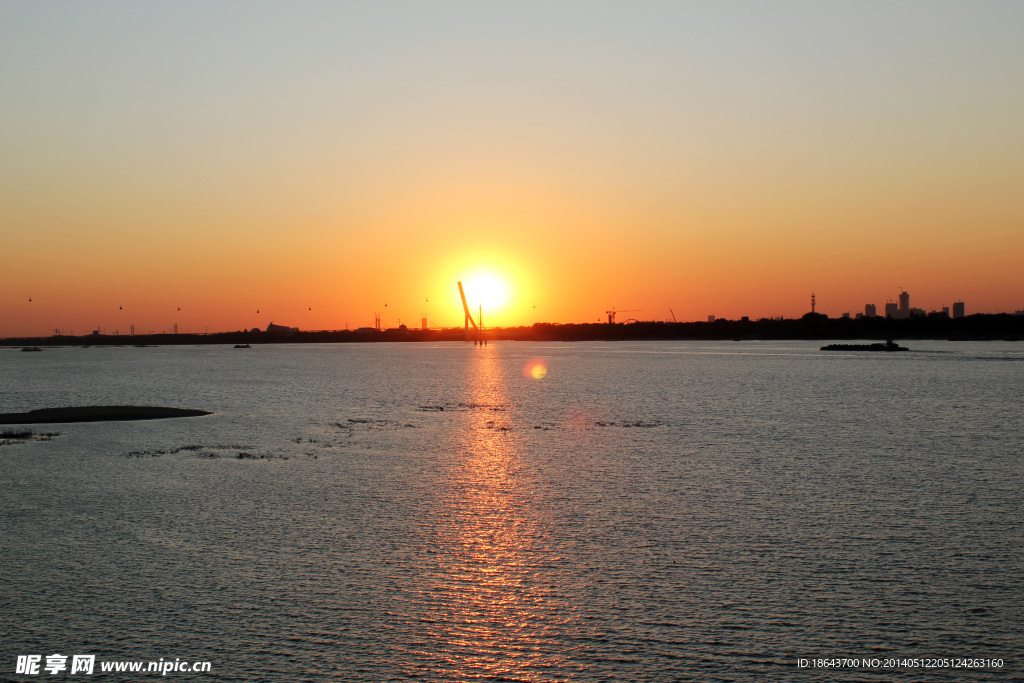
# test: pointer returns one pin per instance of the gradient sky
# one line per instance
(723, 158)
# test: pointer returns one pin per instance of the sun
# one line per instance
(487, 289)
(499, 284)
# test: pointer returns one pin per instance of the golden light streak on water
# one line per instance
(496, 617)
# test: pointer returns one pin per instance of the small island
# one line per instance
(97, 414)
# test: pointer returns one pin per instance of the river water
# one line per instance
(522, 512)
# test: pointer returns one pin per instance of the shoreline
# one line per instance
(977, 327)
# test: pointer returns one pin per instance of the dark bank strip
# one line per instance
(97, 414)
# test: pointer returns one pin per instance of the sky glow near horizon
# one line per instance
(323, 162)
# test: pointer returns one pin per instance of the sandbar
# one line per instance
(96, 414)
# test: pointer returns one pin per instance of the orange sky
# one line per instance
(724, 159)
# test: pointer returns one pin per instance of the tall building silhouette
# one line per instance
(904, 304)
(958, 309)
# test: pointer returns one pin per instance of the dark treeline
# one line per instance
(811, 326)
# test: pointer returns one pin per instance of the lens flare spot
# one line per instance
(535, 369)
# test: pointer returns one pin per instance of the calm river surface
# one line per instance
(643, 511)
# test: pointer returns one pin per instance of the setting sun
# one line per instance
(497, 278)
(489, 290)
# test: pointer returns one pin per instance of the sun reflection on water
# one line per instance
(493, 604)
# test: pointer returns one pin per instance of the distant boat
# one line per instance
(31, 348)
(889, 345)
(242, 346)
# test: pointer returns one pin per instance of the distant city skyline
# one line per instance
(225, 165)
(900, 309)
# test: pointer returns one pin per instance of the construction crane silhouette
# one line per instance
(611, 313)
(465, 307)
(469, 319)
(673, 316)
